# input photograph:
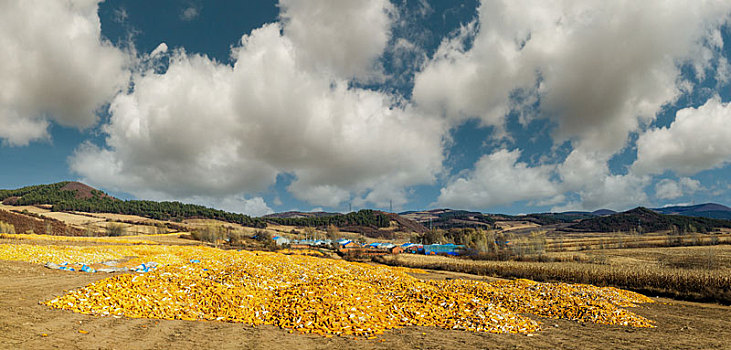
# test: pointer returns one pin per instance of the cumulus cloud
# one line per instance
(600, 69)
(189, 13)
(160, 50)
(205, 128)
(587, 174)
(698, 139)
(498, 178)
(671, 189)
(668, 189)
(618, 192)
(340, 37)
(55, 67)
(255, 206)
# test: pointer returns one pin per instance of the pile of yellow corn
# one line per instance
(60, 254)
(580, 302)
(315, 295)
(309, 252)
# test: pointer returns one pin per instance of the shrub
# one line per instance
(6, 228)
(265, 238)
(116, 229)
(209, 233)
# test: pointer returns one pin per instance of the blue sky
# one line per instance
(262, 106)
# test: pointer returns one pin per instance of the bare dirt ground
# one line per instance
(23, 323)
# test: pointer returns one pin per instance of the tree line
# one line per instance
(173, 211)
(365, 217)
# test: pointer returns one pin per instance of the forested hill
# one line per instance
(449, 218)
(365, 217)
(645, 220)
(74, 196)
(50, 194)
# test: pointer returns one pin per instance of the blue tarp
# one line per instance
(449, 249)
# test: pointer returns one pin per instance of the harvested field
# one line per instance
(67, 218)
(123, 217)
(26, 223)
(702, 257)
(589, 241)
(515, 225)
(691, 284)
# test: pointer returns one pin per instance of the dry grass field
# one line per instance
(592, 241)
(515, 225)
(68, 218)
(25, 324)
(692, 273)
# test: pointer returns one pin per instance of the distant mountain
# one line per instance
(603, 212)
(450, 218)
(646, 220)
(300, 214)
(575, 213)
(706, 210)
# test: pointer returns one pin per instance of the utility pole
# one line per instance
(390, 206)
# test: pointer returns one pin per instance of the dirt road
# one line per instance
(23, 324)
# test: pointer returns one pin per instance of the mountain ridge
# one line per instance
(76, 196)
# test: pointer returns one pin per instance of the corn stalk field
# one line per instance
(690, 284)
(581, 242)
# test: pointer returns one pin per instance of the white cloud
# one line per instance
(586, 174)
(55, 67)
(255, 206)
(498, 178)
(600, 68)
(341, 37)
(668, 189)
(159, 50)
(209, 129)
(618, 192)
(671, 189)
(324, 194)
(581, 168)
(189, 13)
(221, 134)
(698, 139)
